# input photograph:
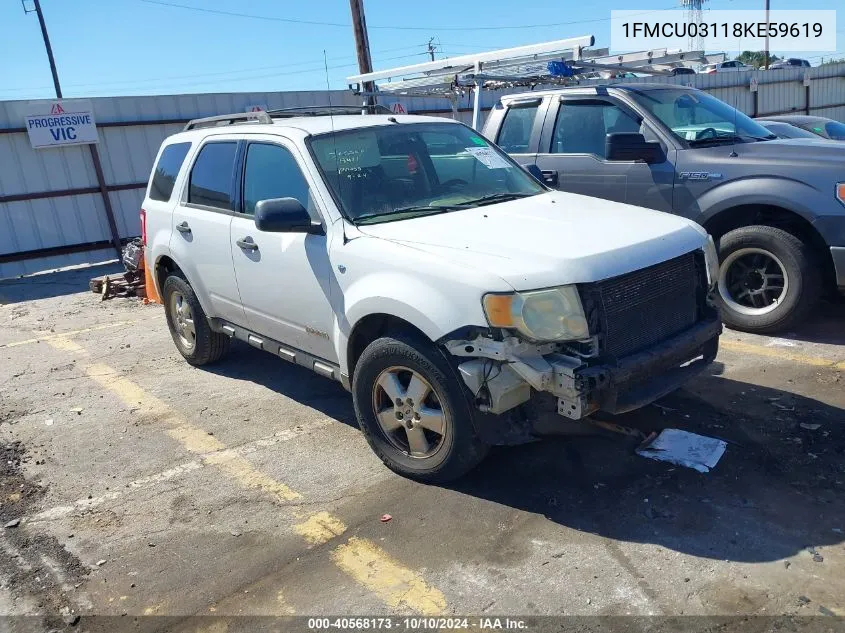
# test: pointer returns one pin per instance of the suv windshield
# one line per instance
(700, 119)
(404, 170)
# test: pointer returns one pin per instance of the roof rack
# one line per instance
(227, 119)
(561, 62)
(326, 110)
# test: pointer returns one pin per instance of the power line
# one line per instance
(168, 79)
(271, 18)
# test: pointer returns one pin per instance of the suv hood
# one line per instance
(549, 239)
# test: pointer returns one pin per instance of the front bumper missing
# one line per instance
(503, 373)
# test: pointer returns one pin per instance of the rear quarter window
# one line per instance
(166, 171)
(211, 175)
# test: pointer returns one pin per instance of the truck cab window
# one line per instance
(582, 126)
(515, 134)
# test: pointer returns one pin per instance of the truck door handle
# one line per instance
(183, 228)
(247, 244)
(550, 177)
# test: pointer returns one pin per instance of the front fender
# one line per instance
(789, 194)
(434, 310)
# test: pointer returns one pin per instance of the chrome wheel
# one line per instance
(183, 321)
(409, 412)
(752, 281)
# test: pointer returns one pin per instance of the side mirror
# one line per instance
(285, 215)
(632, 147)
(534, 171)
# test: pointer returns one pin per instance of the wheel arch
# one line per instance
(776, 216)
(370, 327)
(165, 265)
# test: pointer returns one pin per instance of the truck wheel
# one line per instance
(189, 327)
(769, 280)
(413, 411)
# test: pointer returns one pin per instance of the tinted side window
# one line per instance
(515, 133)
(582, 127)
(164, 175)
(211, 176)
(272, 172)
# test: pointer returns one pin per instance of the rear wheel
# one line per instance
(769, 280)
(189, 327)
(413, 412)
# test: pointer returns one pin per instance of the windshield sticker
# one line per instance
(488, 157)
(478, 140)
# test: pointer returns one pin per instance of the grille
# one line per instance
(644, 307)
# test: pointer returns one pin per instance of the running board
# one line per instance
(316, 364)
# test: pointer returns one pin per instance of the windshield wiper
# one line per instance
(717, 139)
(404, 213)
(493, 198)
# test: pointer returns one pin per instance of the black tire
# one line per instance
(802, 274)
(460, 449)
(208, 346)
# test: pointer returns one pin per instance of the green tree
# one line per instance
(756, 58)
(832, 60)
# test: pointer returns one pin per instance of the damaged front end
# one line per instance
(649, 332)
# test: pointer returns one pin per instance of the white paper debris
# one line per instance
(684, 449)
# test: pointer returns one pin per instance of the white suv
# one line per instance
(416, 263)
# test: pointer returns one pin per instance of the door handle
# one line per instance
(247, 244)
(550, 177)
(183, 228)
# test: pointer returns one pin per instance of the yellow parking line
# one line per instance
(61, 335)
(362, 559)
(781, 353)
(320, 528)
(394, 584)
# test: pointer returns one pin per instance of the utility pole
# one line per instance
(362, 46)
(95, 154)
(49, 48)
(431, 48)
(766, 49)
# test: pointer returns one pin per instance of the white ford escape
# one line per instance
(413, 261)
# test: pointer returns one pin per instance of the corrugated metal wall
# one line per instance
(127, 148)
(126, 152)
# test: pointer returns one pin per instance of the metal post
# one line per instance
(476, 104)
(766, 47)
(95, 154)
(49, 48)
(362, 47)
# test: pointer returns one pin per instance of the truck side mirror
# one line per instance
(534, 171)
(284, 215)
(627, 147)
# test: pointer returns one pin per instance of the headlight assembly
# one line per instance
(555, 314)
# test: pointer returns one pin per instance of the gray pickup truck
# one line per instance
(775, 207)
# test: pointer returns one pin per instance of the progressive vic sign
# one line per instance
(54, 123)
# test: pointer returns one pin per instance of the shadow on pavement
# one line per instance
(55, 284)
(297, 383)
(826, 325)
(777, 492)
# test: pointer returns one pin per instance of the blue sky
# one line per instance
(129, 47)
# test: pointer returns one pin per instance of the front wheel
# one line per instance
(769, 280)
(415, 415)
